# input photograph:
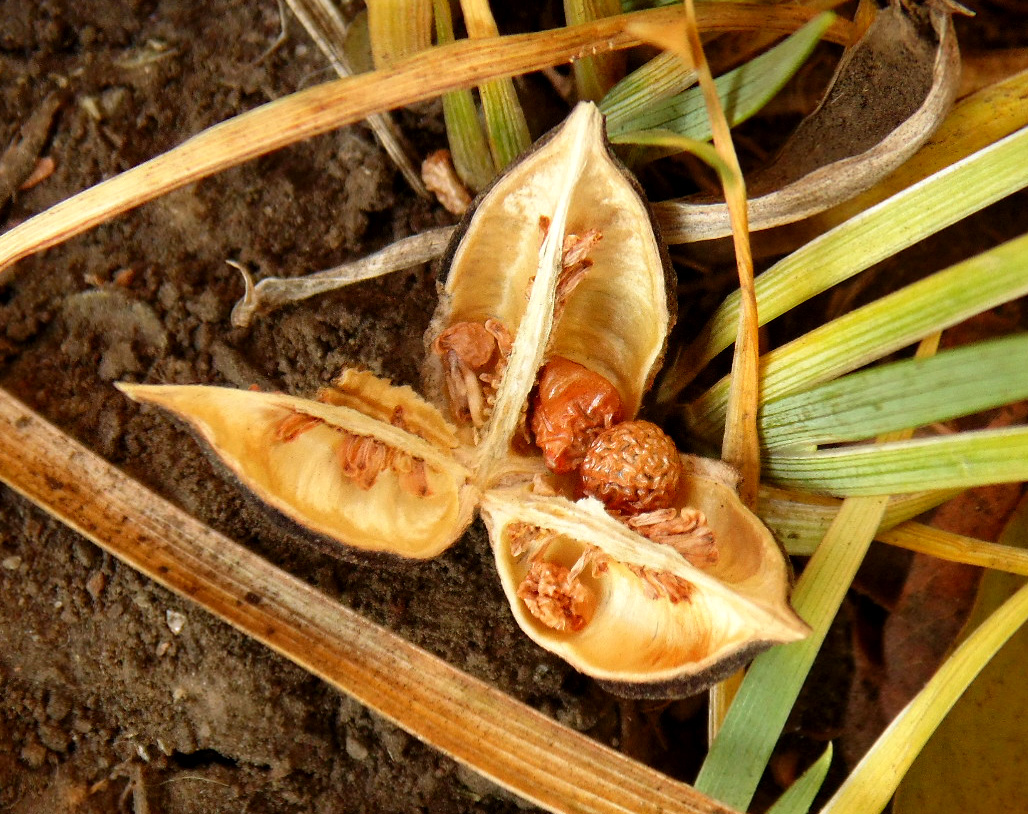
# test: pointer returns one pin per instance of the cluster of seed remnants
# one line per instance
(553, 593)
(475, 356)
(558, 597)
(662, 585)
(362, 458)
(574, 264)
(686, 531)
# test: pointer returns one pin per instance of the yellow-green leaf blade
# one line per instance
(881, 327)
(742, 91)
(661, 77)
(893, 225)
(800, 520)
(957, 548)
(910, 393)
(468, 145)
(957, 461)
(505, 122)
(594, 75)
(868, 788)
(965, 766)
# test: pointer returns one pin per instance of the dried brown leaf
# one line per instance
(890, 92)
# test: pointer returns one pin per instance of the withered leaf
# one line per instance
(890, 92)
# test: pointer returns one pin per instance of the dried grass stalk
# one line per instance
(345, 101)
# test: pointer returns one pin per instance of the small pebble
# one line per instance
(176, 621)
(355, 749)
(96, 583)
(12, 563)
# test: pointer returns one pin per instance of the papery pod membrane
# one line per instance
(504, 264)
(290, 452)
(378, 398)
(689, 627)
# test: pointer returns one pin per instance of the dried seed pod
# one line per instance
(665, 589)
(335, 471)
(650, 623)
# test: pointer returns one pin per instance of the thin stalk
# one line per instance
(741, 446)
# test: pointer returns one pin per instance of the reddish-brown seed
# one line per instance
(572, 405)
(633, 467)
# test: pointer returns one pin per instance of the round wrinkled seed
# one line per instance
(633, 467)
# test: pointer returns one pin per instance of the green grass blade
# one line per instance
(505, 124)
(957, 461)
(879, 328)
(895, 224)
(799, 797)
(661, 77)
(868, 788)
(594, 75)
(754, 722)
(956, 771)
(909, 393)
(703, 150)
(468, 145)
(743, 91)
(504, 121)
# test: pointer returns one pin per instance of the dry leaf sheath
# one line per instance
(909, 62)
(636, 564)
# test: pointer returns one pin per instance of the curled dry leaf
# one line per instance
(551, 324)
(890, 92)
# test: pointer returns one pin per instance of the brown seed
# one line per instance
(571, 406)
(633, 467)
